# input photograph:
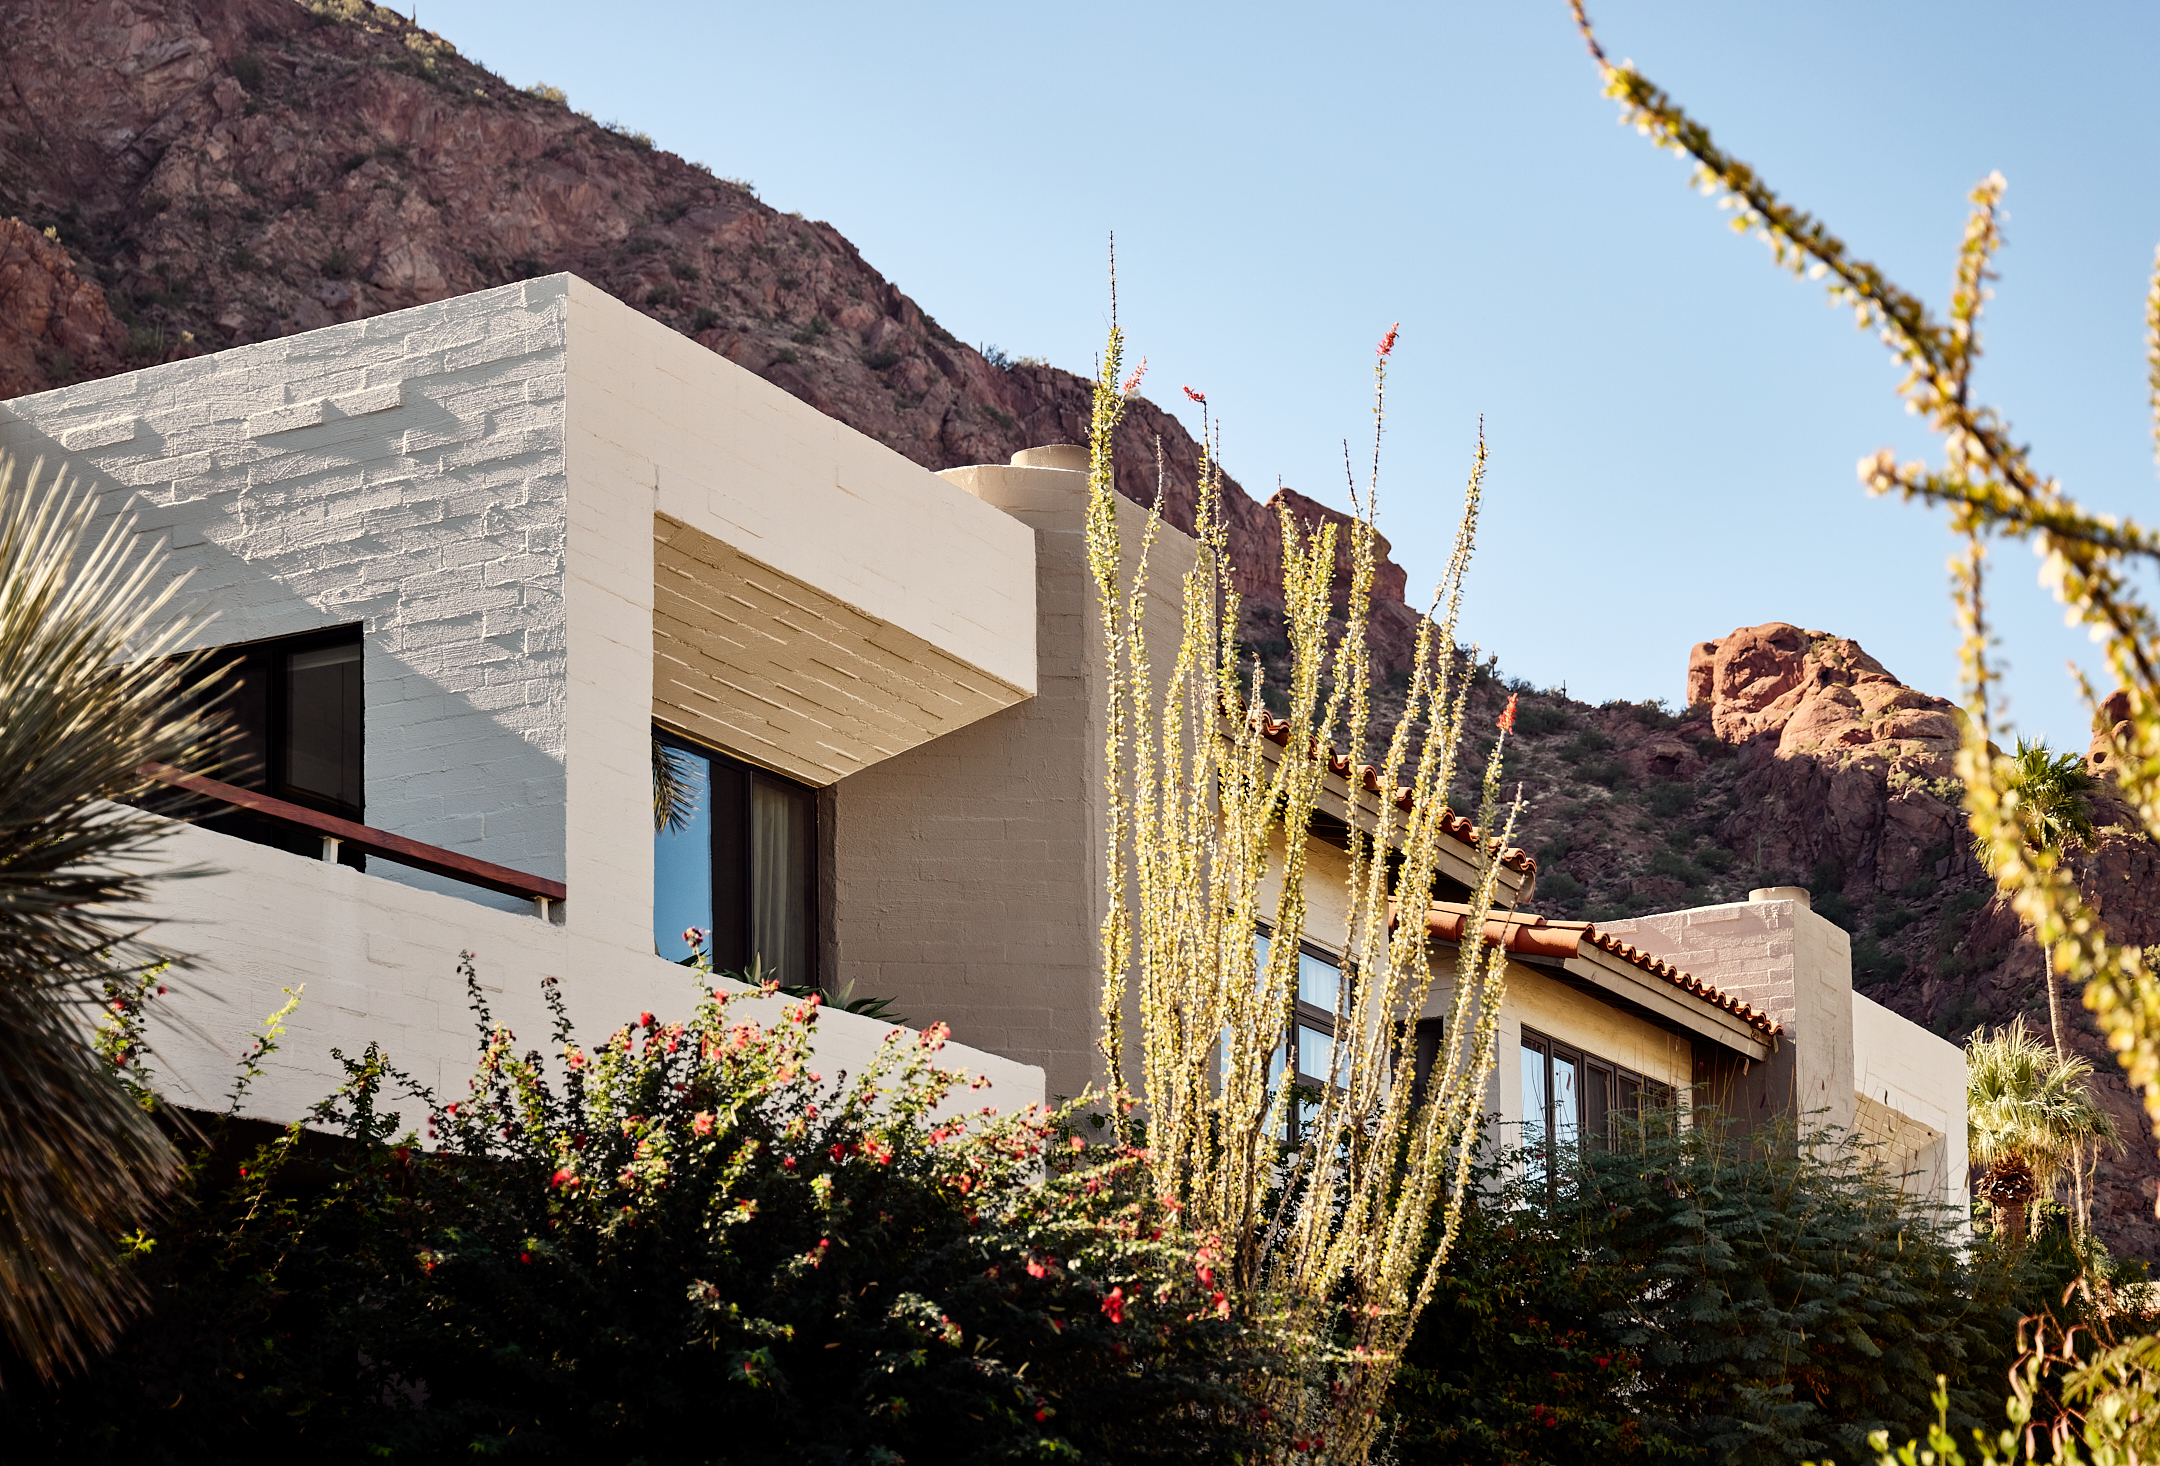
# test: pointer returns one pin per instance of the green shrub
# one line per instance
(1560, 887)
(1608, 773)
(707, 318)
(1585, 744)
(678, 1246)
(248, 71)
(1675, 866)
(1537, 721)
(1715, 859)
(1668, 798)
(1872, 963)
(1700, 1297)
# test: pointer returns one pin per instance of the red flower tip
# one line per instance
(563, 1177)
(1199, 397)
(1132, 382)
(525, 1257)
(1387, 342)
(1507, 719)
(1114, 1305)
(645, 1020)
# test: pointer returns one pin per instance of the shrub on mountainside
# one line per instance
(683, 1247)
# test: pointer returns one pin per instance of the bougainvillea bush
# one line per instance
(681, 1244)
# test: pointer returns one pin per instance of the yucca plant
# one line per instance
(1211, 803)
(89, 691)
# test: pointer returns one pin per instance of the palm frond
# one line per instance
(90, 689)
(2025, 1104)
(674, 793)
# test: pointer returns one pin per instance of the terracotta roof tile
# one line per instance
(1535, 936)
(1277, 731)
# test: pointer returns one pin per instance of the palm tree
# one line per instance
(2028, 1114)
(89, 691)
(2051, 794)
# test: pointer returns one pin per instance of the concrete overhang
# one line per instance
(820, 602)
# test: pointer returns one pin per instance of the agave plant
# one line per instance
(90, 690)
(2028, 1113)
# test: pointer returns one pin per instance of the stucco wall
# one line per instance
(965, 873)
(1788, 962)
(379, 961)
(1901, 1068)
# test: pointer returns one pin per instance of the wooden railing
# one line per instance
(337, 832)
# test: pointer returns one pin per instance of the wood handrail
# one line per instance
(364, 837)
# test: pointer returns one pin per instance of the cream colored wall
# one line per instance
(1911, 1099)
(965, 873)
(379, 961)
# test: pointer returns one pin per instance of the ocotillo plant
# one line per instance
(1331, 1230)
(1991, 488)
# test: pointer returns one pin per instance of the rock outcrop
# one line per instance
(52, 320)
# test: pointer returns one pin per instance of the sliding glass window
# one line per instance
(1571, 1099)
(740, 867)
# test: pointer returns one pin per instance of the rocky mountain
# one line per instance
(181, 175)
(1801, 760)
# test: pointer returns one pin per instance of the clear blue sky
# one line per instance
(1673, 423)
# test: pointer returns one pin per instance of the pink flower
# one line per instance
(693, 936)
(1114, 1305)
(1199, 397)
(564, 1178)
(1037, 1267)
(1132, 382)
(1387, 342)
(702, 1122)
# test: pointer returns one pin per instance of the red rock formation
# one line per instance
(53, 323)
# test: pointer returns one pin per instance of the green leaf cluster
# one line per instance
(677, 1245)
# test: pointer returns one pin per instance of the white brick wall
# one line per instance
(405, 472)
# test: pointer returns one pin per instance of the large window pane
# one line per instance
(322, 724)
(1315, 1052)
(683, 866)
(1533, 1097)
(780, 862)
(1566, 1099)
(1319, 982)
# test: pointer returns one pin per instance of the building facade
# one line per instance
(483, 567)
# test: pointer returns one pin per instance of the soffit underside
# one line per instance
(783, 674)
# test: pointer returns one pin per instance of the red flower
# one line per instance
(1199, 397)
(1507, 719)
(1037, 1267)
(1114, 1305)
(564, 1178)
(525, 1257)
(645, 1020)
(702, 1122)
(1387, 342)
(1132, 382)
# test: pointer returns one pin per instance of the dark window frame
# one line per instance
(733, 896)
(256, 706)
(1598, 1107)
(1308, 1015)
